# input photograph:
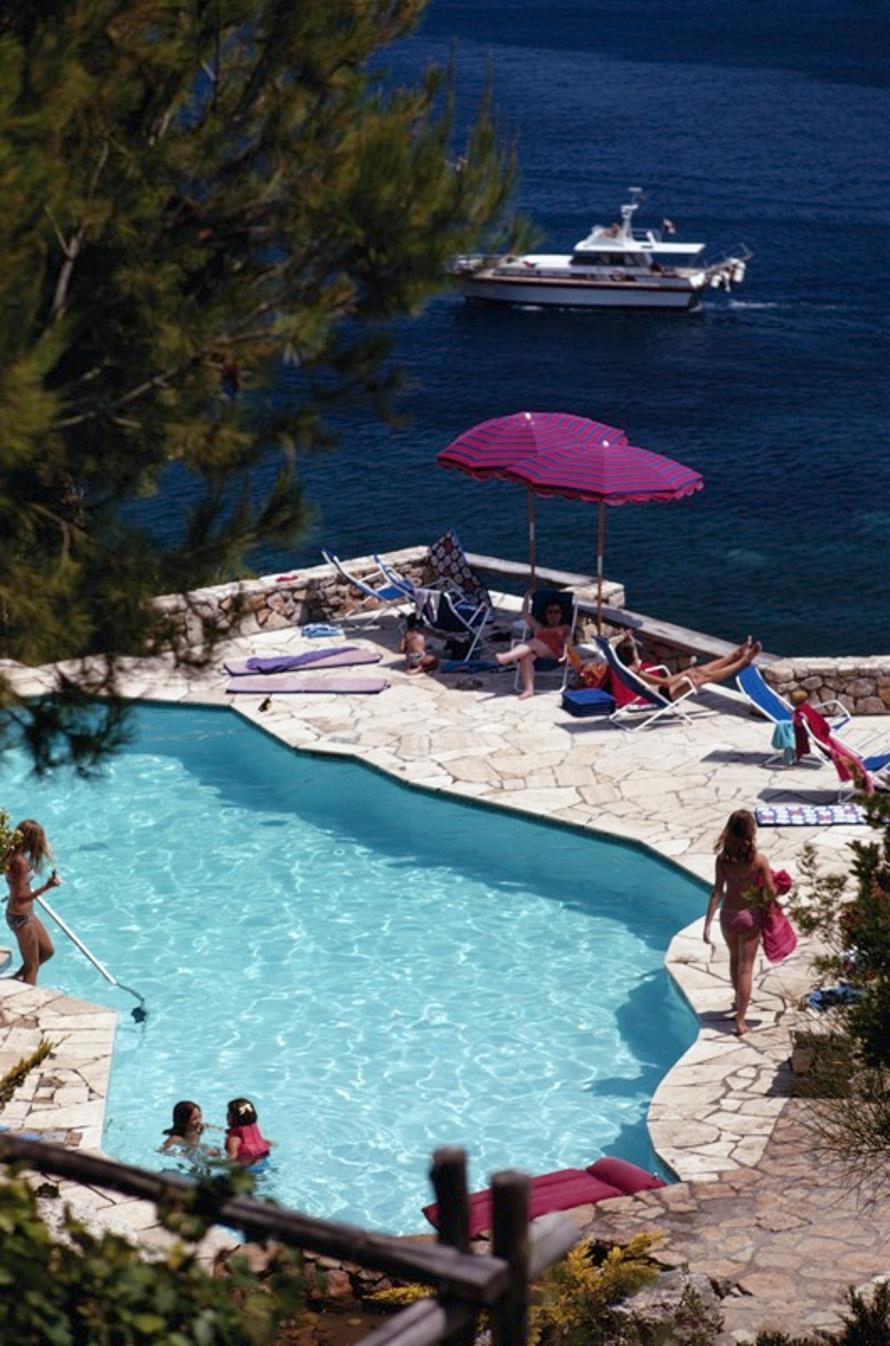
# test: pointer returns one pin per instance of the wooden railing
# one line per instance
(464, 1283)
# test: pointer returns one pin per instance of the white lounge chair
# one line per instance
(649, 704)
(765, 699)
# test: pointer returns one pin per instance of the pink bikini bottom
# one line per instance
(740, 922)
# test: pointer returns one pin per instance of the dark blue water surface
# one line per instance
(743, 121)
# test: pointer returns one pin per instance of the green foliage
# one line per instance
(192, 196)
(856, 931)
(17, 1074)
(10, 840)
(571, 1300)
(853, 922)
(91, 1291)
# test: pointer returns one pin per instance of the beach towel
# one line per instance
(472, 666)
(809, 815)
(321, 630)
(779, 939)
(342, 656)
(276, 683)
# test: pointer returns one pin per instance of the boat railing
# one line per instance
(740, 253)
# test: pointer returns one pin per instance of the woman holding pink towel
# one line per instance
(743, 883)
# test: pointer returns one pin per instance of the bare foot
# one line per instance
(741, 1028)
(753, 650)
(524, 696)
(502, 657)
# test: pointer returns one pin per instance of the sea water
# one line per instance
(743, 122)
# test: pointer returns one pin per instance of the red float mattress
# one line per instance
(564, 1189)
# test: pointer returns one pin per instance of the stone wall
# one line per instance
(319, 594)
(295, 598)
(861, 683)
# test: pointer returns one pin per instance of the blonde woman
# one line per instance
(35, 945)
(743, 883)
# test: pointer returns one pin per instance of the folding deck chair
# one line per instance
(648, 704)
(855, 771)
(542, 599)
(763, 698)
(388, 593)
(444, 607)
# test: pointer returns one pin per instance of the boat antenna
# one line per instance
(627, 211)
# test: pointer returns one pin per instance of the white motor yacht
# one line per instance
(615, 266)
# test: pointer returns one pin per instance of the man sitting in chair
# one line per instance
(547, 641)
(674, 685)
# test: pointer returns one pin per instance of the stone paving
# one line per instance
(721, 1116)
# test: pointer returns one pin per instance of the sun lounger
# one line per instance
(648, 704)
(765, 699)
(563, 1190)
(383, 591)
(855, 771)
(263, 684)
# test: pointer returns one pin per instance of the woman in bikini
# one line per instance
(675, 685)
(35, 945)
(743, 881)
(547, 641)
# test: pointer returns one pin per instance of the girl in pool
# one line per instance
(547, 641)
(35, 945)
(245, 1143)
(743, 882)
(187, 1129)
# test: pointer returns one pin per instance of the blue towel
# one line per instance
(470, 666)
(783, 738)
(285, 663)
(321, 631)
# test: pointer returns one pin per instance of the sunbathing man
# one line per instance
(675, 685)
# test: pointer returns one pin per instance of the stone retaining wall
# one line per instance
(319, 594)
(861, 683)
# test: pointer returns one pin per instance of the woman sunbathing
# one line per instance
(547, 641)
(675, 685)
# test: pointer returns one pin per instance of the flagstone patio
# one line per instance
(722, 1113)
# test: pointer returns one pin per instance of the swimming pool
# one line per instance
(380, 970)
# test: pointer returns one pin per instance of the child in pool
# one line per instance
(245, 1143)
(414, 647)
(187, 1129)
(547, 641)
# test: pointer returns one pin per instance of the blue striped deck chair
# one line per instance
(649, 703)
(765, 699)
(386, 592)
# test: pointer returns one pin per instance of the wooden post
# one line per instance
(448, 1175)
(510, 1242)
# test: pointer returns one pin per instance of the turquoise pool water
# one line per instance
(381, 971)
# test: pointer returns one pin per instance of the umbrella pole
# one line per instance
(600, 548)
(532, 544)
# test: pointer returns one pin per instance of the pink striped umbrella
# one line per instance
(493, 448)
(606, 474)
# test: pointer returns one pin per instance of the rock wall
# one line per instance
(320, 594)
(861, 683)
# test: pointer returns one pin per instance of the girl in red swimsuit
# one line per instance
(547, 641)
(743, 881)
(245, 1143)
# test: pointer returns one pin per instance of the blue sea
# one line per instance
(755, 121)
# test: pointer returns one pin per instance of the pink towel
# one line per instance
(779, 939)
